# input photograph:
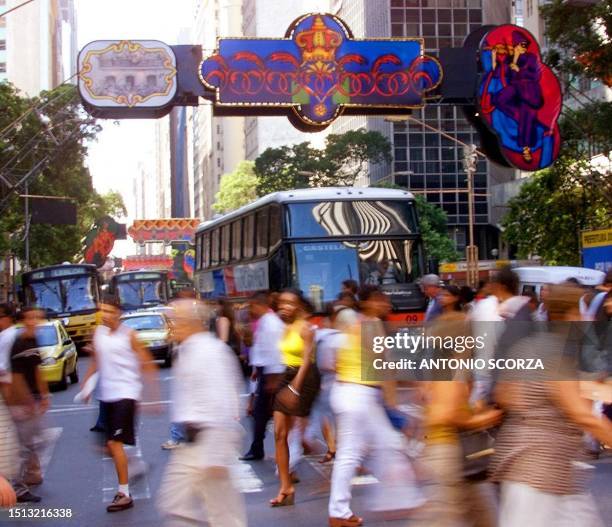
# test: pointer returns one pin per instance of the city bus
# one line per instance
(69, 292)
(136, 290)
(313, 239)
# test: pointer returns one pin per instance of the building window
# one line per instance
(2, 67)
(2, 45)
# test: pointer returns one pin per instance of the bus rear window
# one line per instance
(350, 218)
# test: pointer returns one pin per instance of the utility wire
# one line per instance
(15, 8)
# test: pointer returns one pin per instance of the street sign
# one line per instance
(319, 71)
(597, 249)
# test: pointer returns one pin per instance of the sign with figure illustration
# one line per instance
(319, 71)
(519, 98)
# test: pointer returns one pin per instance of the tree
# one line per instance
(56, 132)
(434, 228)
(237, 188)
(551, 210)
(344, 159)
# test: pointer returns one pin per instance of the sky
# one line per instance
(114, 157)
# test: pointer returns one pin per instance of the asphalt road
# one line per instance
(79, 476)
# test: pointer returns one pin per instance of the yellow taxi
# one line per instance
(58, 354)
(153, 330)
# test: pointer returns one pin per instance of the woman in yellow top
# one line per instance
(298, 388)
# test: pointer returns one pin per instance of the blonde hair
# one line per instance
(562, 299)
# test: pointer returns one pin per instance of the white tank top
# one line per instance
(118, 365)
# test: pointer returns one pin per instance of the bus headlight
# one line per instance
(65, 321)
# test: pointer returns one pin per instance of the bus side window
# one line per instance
(205, 251)
(248, 240)
(199, 252)
(214, 251)
(275, 227)
(225, 243)
(236, 240)
(262, 231)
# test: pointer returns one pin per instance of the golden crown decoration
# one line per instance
(319, 43)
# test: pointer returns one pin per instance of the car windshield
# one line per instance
(46, 336)
(145, 322)
(141, 293)
(318, 269)
(65, 295)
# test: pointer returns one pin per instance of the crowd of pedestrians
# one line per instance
(472, 448)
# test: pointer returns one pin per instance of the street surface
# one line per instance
(78, 474)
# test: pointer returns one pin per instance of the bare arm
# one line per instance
(307, 335)
(566, 395)
(93, 365)
(146, 363)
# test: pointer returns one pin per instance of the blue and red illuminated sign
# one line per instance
(319, 70)
(519, 98)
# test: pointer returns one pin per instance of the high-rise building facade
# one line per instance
(425, 161)
(218, 142)
(41, 35)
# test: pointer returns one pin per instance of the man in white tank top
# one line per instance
(120, 359)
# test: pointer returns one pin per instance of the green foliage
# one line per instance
(433, 223)
(551, 210)
(579, 38)
(344, 159)
(237, 188)
(61, 128)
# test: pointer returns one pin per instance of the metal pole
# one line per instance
(470, 158)
(27, 227)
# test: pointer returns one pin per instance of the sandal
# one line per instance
(329, 456)
(353, 521)
(286, 499)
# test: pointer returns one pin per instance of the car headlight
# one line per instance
(49, 361)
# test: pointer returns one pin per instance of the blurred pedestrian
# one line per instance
(363, 426)
(120, 359)
(206, 401)
(267, 365)
(540, 439)
(298, 387)
(29, 400)
(430, 284)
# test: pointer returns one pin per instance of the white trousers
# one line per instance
(523, 505)
(198, 486)
(363, 429)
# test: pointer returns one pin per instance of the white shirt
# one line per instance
(7, 339)
(206, 384)
(118, 364)
(265, 351)
(328, 342)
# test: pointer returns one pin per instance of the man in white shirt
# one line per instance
(8, 333)
(265, 359)
(206, 403)
(120, 359)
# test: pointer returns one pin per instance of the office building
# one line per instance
(41, 35)
(425, 161)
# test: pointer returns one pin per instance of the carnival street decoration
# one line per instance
(319, 71)
(519, 98)
(100, 240)
(127, 74)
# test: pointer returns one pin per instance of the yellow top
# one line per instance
(348, 359)
(292, 344)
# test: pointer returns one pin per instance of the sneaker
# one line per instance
(120, 503)
(28, 497)
(171, 444)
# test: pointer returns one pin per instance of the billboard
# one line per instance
(597, 249)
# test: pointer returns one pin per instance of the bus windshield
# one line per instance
(63, 295)
(139, 293)
(319, 268)
(345, 218)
